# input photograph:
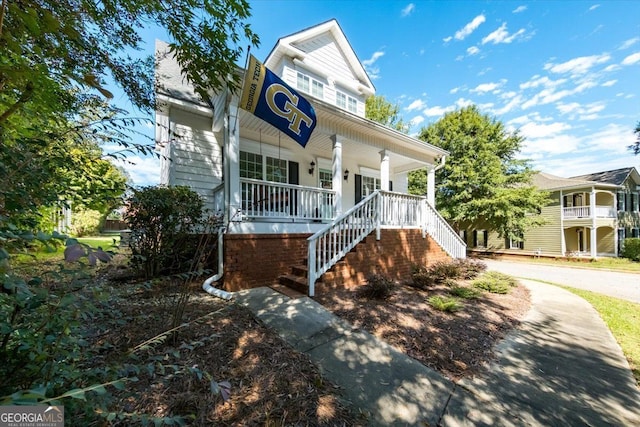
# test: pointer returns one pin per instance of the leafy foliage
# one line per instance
(440, 272)
(631, 249)
(465, 292)
(377, 287)
(635, 147)
(483, 179)
(495, 282)
(378, 109)
(163, 222)
(447, 304)
(85, 222)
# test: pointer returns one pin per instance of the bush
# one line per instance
(448, 304)
(163, 222)
(495, 282)
(631, 249)
(377, 287)
(85, 223)
(470, 269)
(443, 270)
(465, 292)
(421, 278)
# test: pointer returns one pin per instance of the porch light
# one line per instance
(346, 174)
(312, 167)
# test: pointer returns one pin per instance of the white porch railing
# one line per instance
(332, 243)
(263, 200)
(379, 209)
(585, 212)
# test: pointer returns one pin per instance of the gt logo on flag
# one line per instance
(266, 96)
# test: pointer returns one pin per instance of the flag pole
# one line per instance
(244, 76)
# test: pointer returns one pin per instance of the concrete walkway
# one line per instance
(561, 367)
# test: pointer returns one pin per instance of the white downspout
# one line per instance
(206, 286)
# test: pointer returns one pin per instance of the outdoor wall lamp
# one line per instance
(346, 174)
(312, 167)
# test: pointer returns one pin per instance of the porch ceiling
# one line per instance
(360, 138)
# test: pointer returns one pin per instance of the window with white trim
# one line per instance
(369, 184)
(276, 170)
(326, 178)
(346, 102)
(272, 169)
(317, 89)
(250, 165)
(303, 83)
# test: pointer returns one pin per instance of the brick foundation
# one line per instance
(253, 260)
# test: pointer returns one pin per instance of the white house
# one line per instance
(290, 209)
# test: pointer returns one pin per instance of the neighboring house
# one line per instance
(589, 216)
(294, 211)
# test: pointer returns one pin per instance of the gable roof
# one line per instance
(546, 181)
(615, 177)
(292, 46)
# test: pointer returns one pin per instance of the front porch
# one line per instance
(394, 230)
(586, 242)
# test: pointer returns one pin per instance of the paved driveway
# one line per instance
(616, 284)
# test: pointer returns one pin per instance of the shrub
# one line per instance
(163, 222)
(448, 304)
(470, 269)
(421, 278)
(495, 282)
(377, 287)
(85, 223)
(631, 249)
(465, 292)
(444, 270)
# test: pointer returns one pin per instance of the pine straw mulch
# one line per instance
(270, 383)
(456, 344)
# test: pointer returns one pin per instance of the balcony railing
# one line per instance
(264, 200)
(578, 212)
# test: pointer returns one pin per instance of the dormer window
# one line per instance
(317, 89)
(308, 85)
(347, 102)
(303, 83)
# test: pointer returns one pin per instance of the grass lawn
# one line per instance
(617, 264)
(106, 242)
(623, 319)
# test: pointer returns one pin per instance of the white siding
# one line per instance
(196, 154)
(323, 53)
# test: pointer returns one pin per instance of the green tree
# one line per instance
(378, 109)
(635, 147)
(483, 180)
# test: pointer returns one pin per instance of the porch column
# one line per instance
(336, 172)
(431, 185)
(384, 170)
(594, 224)
(232, 166)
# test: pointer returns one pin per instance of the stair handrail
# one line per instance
(442, 232)
(330, 244)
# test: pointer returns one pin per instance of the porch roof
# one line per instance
(356, 133)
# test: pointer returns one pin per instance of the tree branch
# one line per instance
(26, 95)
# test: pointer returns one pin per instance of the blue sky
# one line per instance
(565, 73)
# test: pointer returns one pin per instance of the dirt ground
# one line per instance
(456, 344)
(224, 368)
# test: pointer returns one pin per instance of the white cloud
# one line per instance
(535, 130)
(473, 50)
(612, 67)
(575, 109)
(609, 83)
(631, 59)
(612, 139)
(416, 105)
(519, 9)
(416, 121)
(486, 87)
(501, 35)
(470, 27)
(628, 43)
(580, 65)
(514, 102)
(374, 72)
(594, 7)
(447, 39)
(461, 103)
(142, 170)
(408, 9)
(455, 90)
(437, 111)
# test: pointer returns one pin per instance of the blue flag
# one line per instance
(266, 96)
